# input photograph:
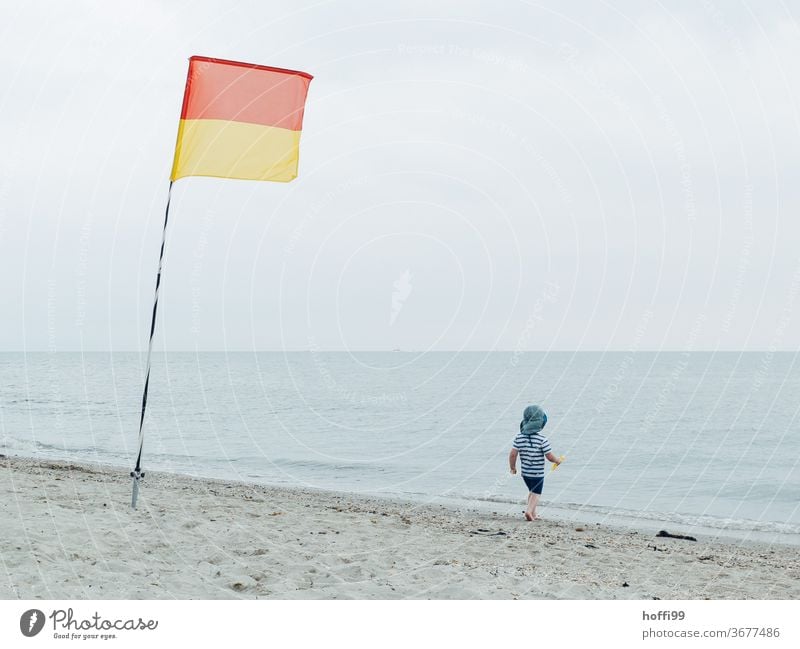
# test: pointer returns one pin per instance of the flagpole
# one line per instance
(137, 474)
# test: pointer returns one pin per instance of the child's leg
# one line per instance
(531, 505)
(533, 500)
(534, 485)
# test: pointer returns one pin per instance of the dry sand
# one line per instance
(68, 532)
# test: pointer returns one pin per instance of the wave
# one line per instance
(329, 465)
(684, 519)
(156, 459)
(34, 447)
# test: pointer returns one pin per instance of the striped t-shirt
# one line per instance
(532, 449)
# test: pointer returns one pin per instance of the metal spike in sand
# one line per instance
(136, 475)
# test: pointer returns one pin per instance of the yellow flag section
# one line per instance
(228, 149)
(240, 120)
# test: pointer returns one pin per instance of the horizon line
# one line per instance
(403, 351)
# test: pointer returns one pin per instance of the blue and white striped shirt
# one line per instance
(532, 449)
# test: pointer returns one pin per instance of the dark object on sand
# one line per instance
(589, 545)
(625, 584)
(485, 532)
(676, 536)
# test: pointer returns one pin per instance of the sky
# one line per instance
(473, 176)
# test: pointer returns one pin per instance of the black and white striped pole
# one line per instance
(137, 474)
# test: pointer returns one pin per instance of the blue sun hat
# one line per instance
(533, 420)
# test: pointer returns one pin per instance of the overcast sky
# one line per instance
(473, 175)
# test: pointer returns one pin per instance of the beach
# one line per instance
(69, 532)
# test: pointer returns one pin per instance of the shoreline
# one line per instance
(71, 533)
(622, 520)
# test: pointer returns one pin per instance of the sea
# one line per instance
(689, 442)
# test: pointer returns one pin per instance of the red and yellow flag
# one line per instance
(240, 120)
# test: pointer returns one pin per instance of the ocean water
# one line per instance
(691, 439)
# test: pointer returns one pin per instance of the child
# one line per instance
(533, 448)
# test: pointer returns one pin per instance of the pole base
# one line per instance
(137, 475)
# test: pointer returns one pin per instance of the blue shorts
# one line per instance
(534, 484)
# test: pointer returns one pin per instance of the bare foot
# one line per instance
(528, 517)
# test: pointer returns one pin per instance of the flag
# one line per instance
(240, 120)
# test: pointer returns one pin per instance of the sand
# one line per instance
(68, 532)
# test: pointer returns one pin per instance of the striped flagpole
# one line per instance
(137, 474)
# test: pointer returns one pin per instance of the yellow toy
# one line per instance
(561, 458)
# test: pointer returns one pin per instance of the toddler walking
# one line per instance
(532, 448)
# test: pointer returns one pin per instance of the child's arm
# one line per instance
(553, 458)
(512, 461)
